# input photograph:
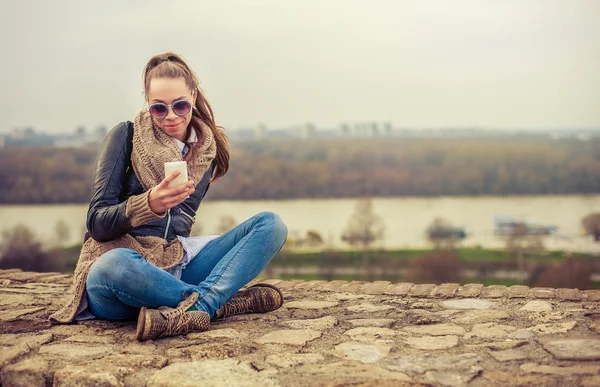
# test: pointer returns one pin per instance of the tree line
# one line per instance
(330, 168)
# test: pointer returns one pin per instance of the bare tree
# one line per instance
(21, 249)
(314, 239)
(591, 225)
(574, 272)
(443, 235)
(522, 241)
(197, 229)
(436, 267)
(61, 228)
(364, 228)
(225, 224)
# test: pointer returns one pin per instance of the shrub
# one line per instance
(438, 267)
(21, 249)
(573, 273)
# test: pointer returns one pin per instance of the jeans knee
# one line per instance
(275, 225)
(112, 266)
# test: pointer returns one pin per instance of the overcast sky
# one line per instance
(420, 64)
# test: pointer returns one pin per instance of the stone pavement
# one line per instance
(327, 334)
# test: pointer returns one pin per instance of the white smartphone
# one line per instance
(180, 166)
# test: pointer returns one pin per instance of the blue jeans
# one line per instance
(121, 281)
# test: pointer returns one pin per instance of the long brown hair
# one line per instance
(171, 65)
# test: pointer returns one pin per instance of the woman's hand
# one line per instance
(162, 197)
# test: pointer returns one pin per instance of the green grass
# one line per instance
(353, 257)
(69, 256)
(475, 254)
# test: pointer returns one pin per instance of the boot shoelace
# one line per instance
(241, 305)
(177, 322)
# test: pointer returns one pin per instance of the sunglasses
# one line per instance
(160, 110)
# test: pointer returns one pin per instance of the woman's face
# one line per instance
(168, 91)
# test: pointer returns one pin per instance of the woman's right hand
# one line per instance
(162, 197)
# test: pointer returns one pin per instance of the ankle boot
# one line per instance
(165, 321)
(260, 298)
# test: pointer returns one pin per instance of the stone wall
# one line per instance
(327, 333)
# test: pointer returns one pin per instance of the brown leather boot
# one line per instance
(165, 321)
(260, 298)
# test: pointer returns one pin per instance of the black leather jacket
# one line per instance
(114, 182)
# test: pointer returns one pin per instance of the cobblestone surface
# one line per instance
(327, 333)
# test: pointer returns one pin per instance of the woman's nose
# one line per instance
(170, 113)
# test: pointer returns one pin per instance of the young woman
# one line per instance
(138, 258)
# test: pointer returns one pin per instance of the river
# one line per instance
(405, 218)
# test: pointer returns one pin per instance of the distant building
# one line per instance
(260, 131)
(308, 131)
(365, 129)
(30, 137)
(27, 136)
(388, 129)
(345, 130)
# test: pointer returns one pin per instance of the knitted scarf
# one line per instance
(151, 149)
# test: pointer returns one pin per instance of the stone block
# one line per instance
(583, 369)
(372, 322)
(26, 276)
(537, 306)
(569, 294)
(422, 290)
(288, 360)
(518, 291)
(353, 286)
(399, 289)
(469, 303)
(469, 290)
(16, 314)
(429, 343)
(436, 329)
(310, 304)
(365, 307)
(288, 285)
(494, 291)
(489, 331)
(332, 286)
(510, 355)
(7, 355)
(542, 293)
(364, 353)
(453, 370)
(377, 287)
(445, 291)
(315, 324)
(56, 279)
(592, 295)
(289, 337)
(33, 372)
(309, 285)
(4, 272)
(479, 316)
(579, 348)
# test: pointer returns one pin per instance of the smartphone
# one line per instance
(180, 166)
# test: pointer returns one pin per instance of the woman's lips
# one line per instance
(171, 126)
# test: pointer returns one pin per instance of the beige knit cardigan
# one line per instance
(155, 250)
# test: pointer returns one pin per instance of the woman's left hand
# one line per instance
(162, 198)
